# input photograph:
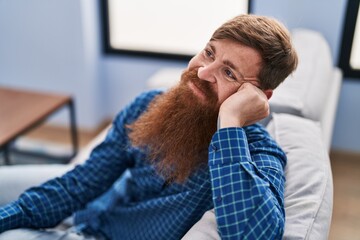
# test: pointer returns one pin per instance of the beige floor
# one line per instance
(346, 173)
(346, 214)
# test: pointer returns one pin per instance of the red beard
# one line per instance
(177, 128)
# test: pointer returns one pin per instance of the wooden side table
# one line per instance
(22, 110)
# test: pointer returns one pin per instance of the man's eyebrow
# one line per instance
(212, 47)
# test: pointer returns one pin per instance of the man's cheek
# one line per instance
(229, 92)
(223, 97)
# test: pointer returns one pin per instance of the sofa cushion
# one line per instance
(308, 188)
(204, 229)
(305, 92)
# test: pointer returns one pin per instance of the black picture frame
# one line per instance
(109, 50)
(347, 40)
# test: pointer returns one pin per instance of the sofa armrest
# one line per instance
(328, 116)
(312, 91)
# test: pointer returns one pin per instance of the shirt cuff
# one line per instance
(228, 145)
(11, 216)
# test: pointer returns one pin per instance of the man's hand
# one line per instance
(247, 106)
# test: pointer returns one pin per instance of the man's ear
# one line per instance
(268, 93)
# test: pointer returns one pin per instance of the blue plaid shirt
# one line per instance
(117, 194)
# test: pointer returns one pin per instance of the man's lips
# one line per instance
(197, 91)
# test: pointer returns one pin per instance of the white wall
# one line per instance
(347, 130)
(43, 46)
(55, 46)
(126, 77)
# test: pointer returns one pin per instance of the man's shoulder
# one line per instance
(146, 97)
(135, 108)
(142, 100)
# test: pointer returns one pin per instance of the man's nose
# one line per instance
(207, 73)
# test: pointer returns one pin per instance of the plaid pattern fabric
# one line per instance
(243, 181)
(247, 184)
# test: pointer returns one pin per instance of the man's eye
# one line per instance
(229, 74)
(209, 53)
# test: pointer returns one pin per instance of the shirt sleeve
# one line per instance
(247, 176)
(46, 205)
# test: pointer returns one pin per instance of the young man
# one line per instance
(185, 151)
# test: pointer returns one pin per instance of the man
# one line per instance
(183, 152)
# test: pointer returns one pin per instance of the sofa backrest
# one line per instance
(312, 91)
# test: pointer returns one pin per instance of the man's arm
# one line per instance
(246, 168)
(48, 204)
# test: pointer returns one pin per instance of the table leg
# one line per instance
(73, 128)
(6, 155)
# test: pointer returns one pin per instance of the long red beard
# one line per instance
(177, 128)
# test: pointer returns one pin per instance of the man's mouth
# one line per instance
(197, 91)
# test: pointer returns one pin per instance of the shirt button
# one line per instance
(218, 198)
(214, 148)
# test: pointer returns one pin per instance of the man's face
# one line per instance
(226, 65)
(178, 125)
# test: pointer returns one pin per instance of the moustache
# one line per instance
(203, 85)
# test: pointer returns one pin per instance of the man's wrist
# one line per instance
(229, 121)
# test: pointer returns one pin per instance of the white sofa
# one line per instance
(303, 113)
